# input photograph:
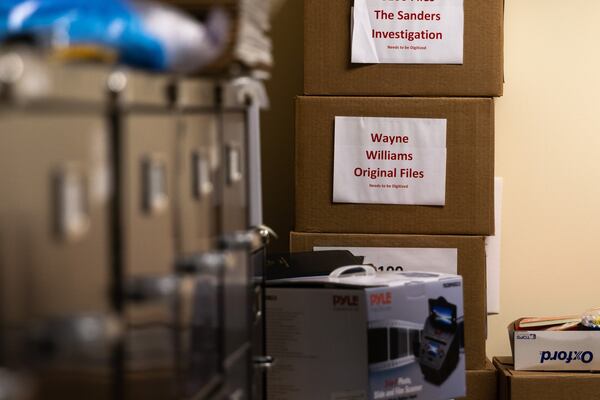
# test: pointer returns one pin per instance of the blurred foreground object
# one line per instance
(139, 33)
(250, 46)
(131, 245)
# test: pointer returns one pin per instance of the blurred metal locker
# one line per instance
(261, 360)
(145, 127)
(234, 228)
(56, 323)
(234, 197)
(241, 100)
(255, 97)
(199, 160)
(200, 266)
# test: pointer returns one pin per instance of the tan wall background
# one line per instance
(547, 150)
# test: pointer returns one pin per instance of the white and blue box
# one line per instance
(545, 350)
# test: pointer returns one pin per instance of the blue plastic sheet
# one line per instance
(142, 34)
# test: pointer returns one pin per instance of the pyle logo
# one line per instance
(451, 284)
(380, 299)
(345, 301)
(585, 357)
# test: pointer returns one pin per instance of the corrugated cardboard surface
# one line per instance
(471, 265)
(481, 384)
(469, 208)
(327, 67)
(526, 385)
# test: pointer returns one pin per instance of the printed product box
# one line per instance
(539, 350)
(481, 384)
(366, 336)
(401, 48)
(529, 385)
(395, 165)
(463, 255)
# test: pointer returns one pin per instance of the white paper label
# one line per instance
(405, 259)
(390, 161)
(408, 31)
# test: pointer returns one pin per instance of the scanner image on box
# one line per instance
(434, 346)
(440, 342)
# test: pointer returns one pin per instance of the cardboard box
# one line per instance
(482, 384)
(328, 69)
(469, 168)
(527, 385)
(470, 260)
(538, 350)
(377, 336)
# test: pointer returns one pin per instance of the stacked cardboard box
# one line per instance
(525, 385)
(478, 71)
(467, 207)
(482, 383)
(395, 142)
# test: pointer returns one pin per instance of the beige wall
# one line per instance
(547, 150)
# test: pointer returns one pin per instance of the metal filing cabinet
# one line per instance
(242, 99)
(261, 361)
(199, 160)
(200, 325)
(234, 225)
(145, 138)
(55, 316)
(14, 386)
(199, 266)
(245, 327)
(234, 174)
(125, 240)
